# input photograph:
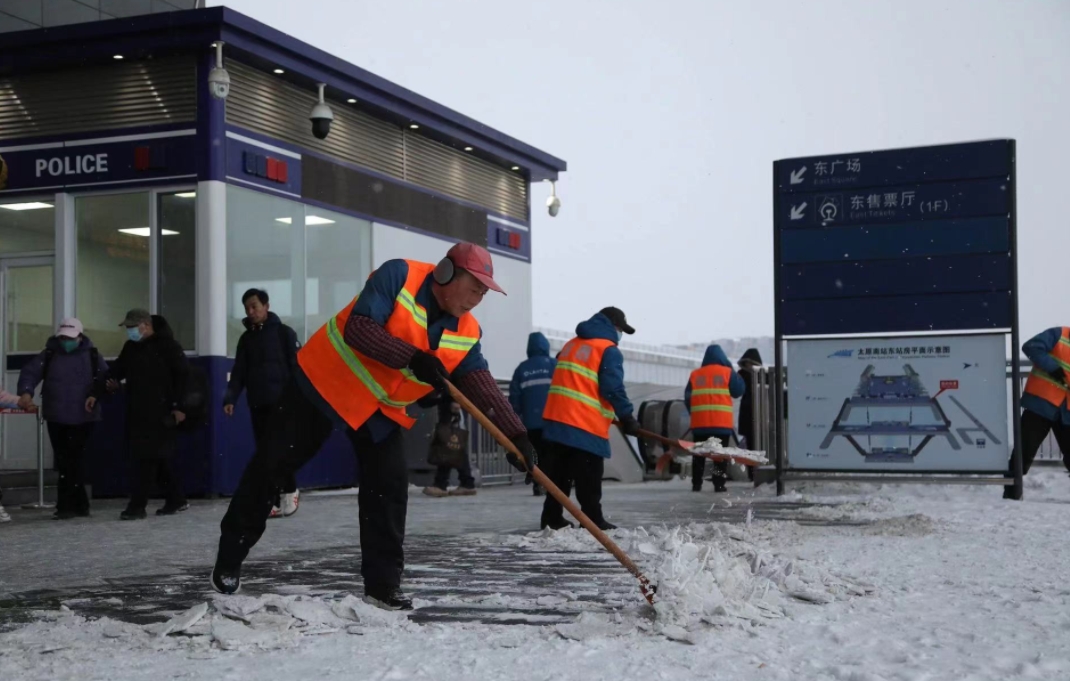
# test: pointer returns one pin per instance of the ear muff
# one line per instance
(444, 272)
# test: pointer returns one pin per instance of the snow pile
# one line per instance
(712, 446)
(707, 574)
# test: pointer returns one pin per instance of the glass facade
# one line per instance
(177, 259)
(27, 226)
(312, 262)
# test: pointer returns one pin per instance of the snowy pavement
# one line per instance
(844, 582)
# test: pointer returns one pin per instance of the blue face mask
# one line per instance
(133, 333)
(69, 344)
(620, 335)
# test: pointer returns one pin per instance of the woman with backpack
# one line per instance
(70, 368)
(156, 371)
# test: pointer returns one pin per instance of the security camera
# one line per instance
(321, 116)
(553, 204)
(218, 78)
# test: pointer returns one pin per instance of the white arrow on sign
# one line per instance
(797, 175)
(798, 212)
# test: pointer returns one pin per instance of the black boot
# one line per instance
(133, 514)
(226, 581)
(557, 524)
(387, 597)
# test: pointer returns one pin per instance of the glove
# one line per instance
(630, 426)
(429, 369)
(428, 401)
(530, 455)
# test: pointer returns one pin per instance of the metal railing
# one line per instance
(488, 456)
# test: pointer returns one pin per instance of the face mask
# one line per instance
(69, 344)
(620, 335)
(133, 333)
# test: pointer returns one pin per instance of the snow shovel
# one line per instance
(553, 490)
(686, 446)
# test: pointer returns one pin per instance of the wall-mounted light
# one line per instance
(468, 148)
(516, 167)
(414, 126)
(279, 72)
(117, 56)
(187, 195)
(351, 101)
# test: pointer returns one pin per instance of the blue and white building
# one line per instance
(125, 183)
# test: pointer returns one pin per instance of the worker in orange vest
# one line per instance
(1046, 401)
(409, 330)
(708, 398)
(586, 394)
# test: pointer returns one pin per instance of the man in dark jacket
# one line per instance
(70, 367)
(748, 365)
(586, 394)
(530, 387)
(263, 364)
(155, 369)
(708, 398)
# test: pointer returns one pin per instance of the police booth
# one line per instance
(168, 162)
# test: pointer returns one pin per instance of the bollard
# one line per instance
(40, 467)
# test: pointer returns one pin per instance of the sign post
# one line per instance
(896, 287)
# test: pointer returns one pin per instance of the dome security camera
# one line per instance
(553, 204)
(321, 116)
(218, 78)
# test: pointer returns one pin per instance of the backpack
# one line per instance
(94, 365)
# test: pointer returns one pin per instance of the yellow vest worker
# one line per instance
(1046, 399)
(586, 394)
(408, 330)
(708, 398)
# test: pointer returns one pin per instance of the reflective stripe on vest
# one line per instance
(1042, 384)
(574, 397)
(357, 386)
(711, 402)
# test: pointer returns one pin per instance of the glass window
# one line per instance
(312, 262)
(265, 249)
(177, 220)
(27, 226)
(338, 254)
(113, 264)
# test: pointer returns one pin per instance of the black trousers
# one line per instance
(720, 468)
(566, 466)
(1035, 429)
(262, 417)
(152, 464)
(68, 445)
(294, 437)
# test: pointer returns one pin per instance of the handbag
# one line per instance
(449, 446)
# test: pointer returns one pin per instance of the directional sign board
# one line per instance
(904, 240)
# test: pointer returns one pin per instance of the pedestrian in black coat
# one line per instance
(155, 369)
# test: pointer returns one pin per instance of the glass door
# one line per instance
(26, 310)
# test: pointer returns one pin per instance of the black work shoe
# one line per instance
(696, 488)
(171, 510)
(226, 581)
(133, 515)
(387, 598)
(64, 515)
(606, 526)
(558, 525)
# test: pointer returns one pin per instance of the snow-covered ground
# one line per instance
(911, 583)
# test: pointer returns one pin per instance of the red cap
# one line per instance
(476, 261)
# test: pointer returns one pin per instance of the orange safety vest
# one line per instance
(1042, 384)
(574, 397)
(711, 403)
(357, 386)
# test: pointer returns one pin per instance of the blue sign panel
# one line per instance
(904, 240)
(109, 161)
(263, 165)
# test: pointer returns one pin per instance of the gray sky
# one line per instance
(670, 114)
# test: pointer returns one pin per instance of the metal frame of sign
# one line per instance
(786, 474)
